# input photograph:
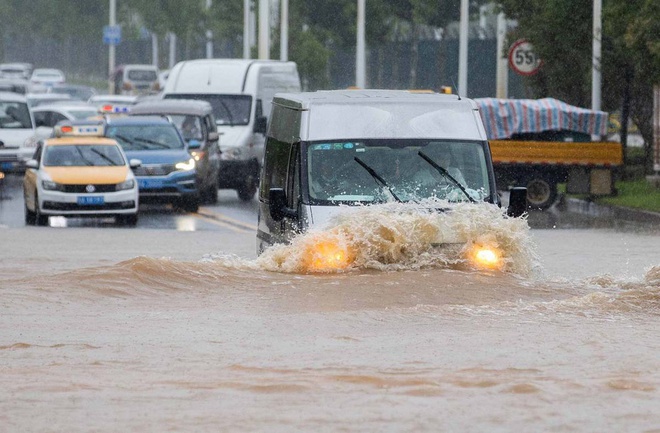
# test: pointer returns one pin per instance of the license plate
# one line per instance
(150, 183)
(6, 165)
(90, 200)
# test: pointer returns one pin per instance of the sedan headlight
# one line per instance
(49, 185)
(127, 184)
(186, 165)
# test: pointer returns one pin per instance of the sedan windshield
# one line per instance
(146, 137)
(83, 156)
(396, 170)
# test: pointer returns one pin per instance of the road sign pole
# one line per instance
(111, 47)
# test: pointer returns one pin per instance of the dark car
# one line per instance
(168, 171)
(197, 125)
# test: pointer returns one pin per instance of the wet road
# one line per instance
(158, 328)
(229, 214)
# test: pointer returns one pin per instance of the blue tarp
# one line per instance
(504, 117)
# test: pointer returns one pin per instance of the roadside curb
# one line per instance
(606, 211)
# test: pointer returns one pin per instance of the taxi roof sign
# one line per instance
(114, 109)
(92, 130)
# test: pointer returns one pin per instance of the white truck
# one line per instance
(240, 92)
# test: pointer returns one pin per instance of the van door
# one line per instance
(274, 175)
(293, 226)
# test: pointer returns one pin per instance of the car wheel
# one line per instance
(210, 194)
(541, 192)
(189, 204)
(30, 217)
(248, 189)
(41, 220)
(128, 220)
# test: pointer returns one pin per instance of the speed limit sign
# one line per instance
(522, 58)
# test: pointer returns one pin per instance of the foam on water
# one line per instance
(405, 236)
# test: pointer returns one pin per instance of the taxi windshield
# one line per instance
(146, 137)
(396, 170)
(83, 155)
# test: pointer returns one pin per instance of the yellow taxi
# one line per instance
(80, 173)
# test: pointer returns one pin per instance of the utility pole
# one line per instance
(596, 55)
(502, 91)
(360, 56)
(209, 34)
(264, 29)
(284, 30)
(463, 50)
(172, 59)
(111, 47)
(246, 29)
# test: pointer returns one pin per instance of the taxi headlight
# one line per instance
(49, 185)
(127, 184)
(186, 165)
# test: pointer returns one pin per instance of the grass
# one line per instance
(636, 194)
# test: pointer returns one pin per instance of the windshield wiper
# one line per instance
(155, 143)
(128, 141)
(96, 151)
(226, 107)
(446, 174)
(376, 177)
(87, 161)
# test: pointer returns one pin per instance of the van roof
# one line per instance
(218, 75)
(363, 114)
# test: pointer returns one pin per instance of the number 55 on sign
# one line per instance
(522, 58)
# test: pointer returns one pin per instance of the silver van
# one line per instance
(355, 147)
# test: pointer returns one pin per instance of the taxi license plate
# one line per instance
(90, 200)
(150, 183)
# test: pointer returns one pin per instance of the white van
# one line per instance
(240, 92)
(350, 147)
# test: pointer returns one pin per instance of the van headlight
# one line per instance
(127, 184)
(49, 185)
(186, 165)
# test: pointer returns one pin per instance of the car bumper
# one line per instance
(14, 159)
(170, 187)
(111, 203)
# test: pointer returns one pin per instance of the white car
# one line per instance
(80, 173)
(36, 99)
(49, 115)
(16, 126)
(43, 78)
(16, 70)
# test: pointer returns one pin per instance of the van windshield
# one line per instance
(396, 170)
(228, 109)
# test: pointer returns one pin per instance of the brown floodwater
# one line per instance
(404, 337)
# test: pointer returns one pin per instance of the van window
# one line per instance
(351, 171)
(276, 165)
(227, 109)
(137, 75)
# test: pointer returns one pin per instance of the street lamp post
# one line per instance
(463, 50)
(596, 54)
(360, 56)
(111, 47)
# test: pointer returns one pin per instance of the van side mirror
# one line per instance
(214, 136)
(32, 163)
(517, 202)
(260, 124)
(277, 205)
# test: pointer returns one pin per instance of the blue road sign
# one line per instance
(111, 35)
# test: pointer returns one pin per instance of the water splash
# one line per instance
(405, 236)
